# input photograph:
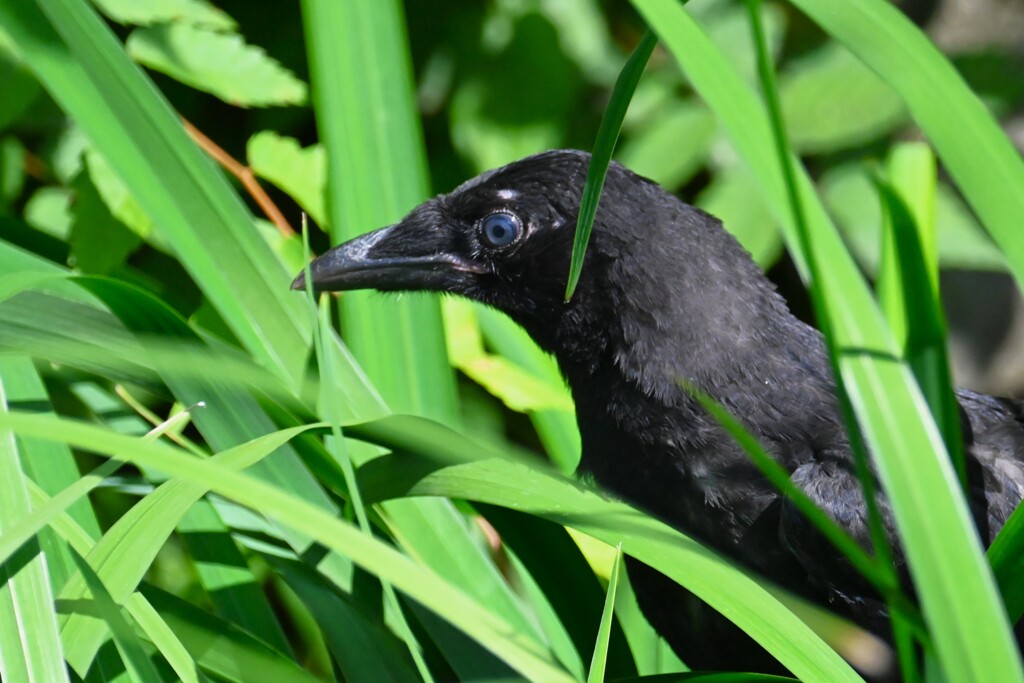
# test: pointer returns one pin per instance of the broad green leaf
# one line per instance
(222, 64)
(515, 386)
(49, 210)
(194, 12)
(831, 102)
(118, 199)
(299, 171)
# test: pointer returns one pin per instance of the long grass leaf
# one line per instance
(972, 146)
(538, 492)
(368, 125)
(604, 145)
(419, 583)
(909, 287)
(30, 646)
(599, 661)
(140, 668)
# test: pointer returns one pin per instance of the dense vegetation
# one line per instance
(204, 476)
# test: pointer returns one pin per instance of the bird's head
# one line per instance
(503, 238)
(655, 268)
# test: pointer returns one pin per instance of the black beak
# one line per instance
(406, 256)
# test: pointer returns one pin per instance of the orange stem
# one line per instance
(244, 175)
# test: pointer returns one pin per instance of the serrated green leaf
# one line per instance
(299, 171)
(222, 64)
(195, 12)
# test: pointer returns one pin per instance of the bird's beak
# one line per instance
(405, 256)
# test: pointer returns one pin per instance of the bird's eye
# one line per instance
(501, 229)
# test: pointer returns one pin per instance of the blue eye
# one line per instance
(501, 229)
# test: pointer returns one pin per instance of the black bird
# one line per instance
(667, 295)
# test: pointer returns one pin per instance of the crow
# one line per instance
(668, 297)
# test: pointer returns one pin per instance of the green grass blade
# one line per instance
(136, 662)
(779, 477)
(126, 551)
(85, 69)
(961, 605)
(51, 466)
(600, 659)
(367, 120)
(30, 524)
(420, 584)
(337, 445)
(30, 646)
(363, 647)
(569, 585)
(153, 627)
(226, 577)
(909, 287)
(604, 145)
(1007, 557)
(884, 563)
(532, 490)
(216, 645)
(974, 149)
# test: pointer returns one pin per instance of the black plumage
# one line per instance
(666, 294)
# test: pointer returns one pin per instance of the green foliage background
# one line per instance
(202, 479)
